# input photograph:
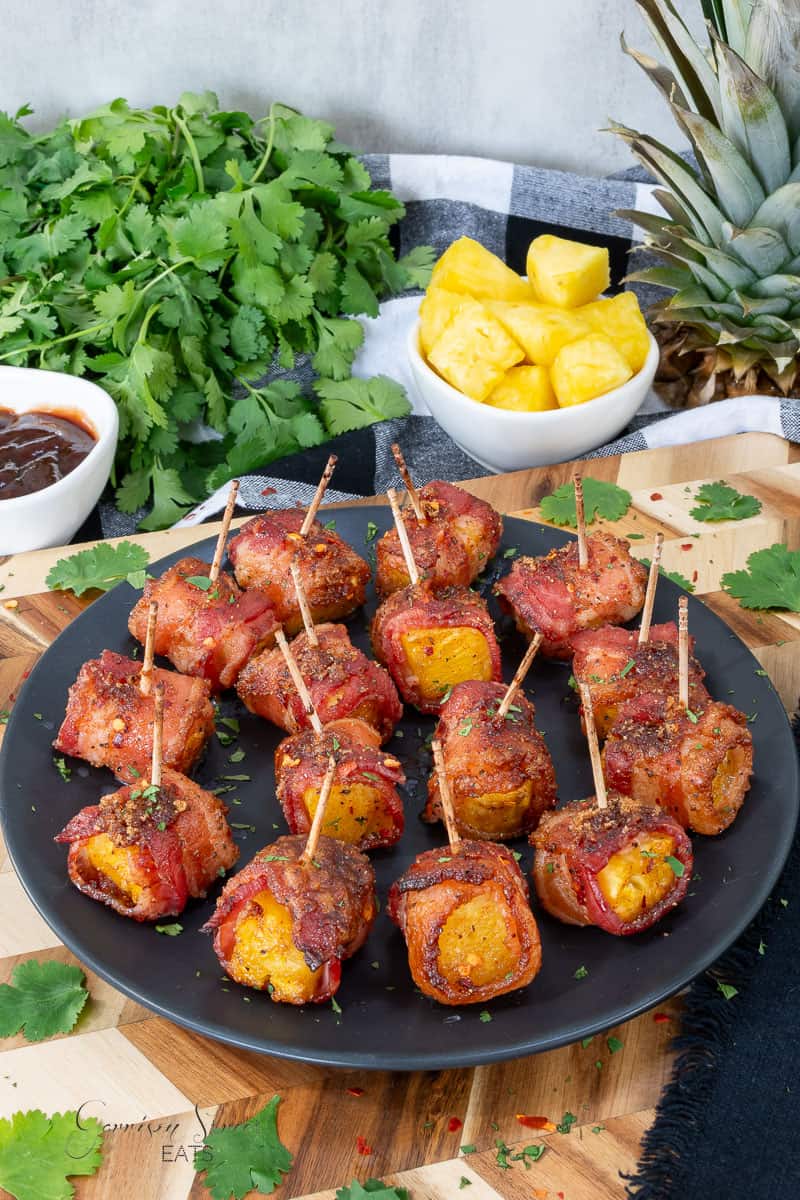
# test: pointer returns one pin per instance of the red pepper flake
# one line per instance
(454, 1124)
(25, 674)
(660, 1018)
(362, 1147)
(560, 1195)
(656, 496)
(694, 576)
(686, 545)
(355, 1091)
(536, 1122)
(12, 696)
(269, 491)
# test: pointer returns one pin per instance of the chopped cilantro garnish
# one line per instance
(581, 973)
(677, 866)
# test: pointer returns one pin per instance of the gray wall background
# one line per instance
(532, 81)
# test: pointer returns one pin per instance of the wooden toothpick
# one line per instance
(594, 748)
(319, 815)
(299, 682)
(445, 795)
(146, 676)
(580, 516)
(519, 675)
(305, 611)
(683, 652)
(227, 516)
(158, 734)
(650, 594)
(402, 533)
(322, 487)
(405, 475)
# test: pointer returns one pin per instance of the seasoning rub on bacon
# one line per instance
(452, 535)
(590, 582)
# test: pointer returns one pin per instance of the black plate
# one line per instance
(384, 1022)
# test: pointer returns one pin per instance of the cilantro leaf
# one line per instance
(43, 998)
(338, 342)
(771, 579)
(102, 567)
(240, 1158)
(38, 1153)
(600, 499)
(720, 502)
(374, 1188)
(354, 403)
(675, 576)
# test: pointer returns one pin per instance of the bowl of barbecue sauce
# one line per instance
(58, 435)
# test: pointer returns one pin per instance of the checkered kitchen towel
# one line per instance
(503, 206)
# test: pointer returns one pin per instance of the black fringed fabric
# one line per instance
(726, 1127)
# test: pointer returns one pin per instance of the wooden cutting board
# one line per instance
(158, 1087)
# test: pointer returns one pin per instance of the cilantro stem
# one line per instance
(67, 337)
(262, 166)
(190, 142)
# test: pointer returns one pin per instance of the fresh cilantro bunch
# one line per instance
(175, 256)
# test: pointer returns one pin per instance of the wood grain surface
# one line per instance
(157, 1088)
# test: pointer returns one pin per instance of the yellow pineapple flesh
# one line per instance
(437, 308)
(620, 319)
(474, 351)
(524, 389)
(540, 329)
(565, 273)
(588, 368)
(468, 267)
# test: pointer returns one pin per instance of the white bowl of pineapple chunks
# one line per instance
(525, 372)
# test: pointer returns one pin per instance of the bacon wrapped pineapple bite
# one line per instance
(692, 756)
(110, 710)
(618, 664)
(610, 861)
(363, 807)
(590, 582)
(207, 626)
(498, 767)
(149, 847)
(465, 916)
(285, 923)
(334, 577)
(342, 681)
(452, 536)
(431, 639)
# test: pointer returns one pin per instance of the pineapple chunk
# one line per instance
(524, 389)
(468, 267)
(565, 273)
(540, 329)
(441, 658)
(477, 941)
(620, 319)
(497, 814)
(637, 877)
(437, 307)
(120, 864)
(474, 351)
(265, 953)
(352, 813)
(588, 368)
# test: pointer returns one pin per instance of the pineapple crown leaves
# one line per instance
(730, 236)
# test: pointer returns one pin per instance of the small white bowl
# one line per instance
(501, 440)
(52, 516)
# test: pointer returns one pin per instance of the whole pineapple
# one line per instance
(730, 236)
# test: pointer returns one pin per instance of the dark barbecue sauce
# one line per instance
(37, 449)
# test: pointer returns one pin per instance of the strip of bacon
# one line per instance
(342, 681)
(144, 851)
(555, 596)
(208, 632)
(110, 723)
(333, 576)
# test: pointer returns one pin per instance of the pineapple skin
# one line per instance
(565, 273)
(588, 368)
(469, 268)
(437, 308)
(474, 351)
(620, 319)
(524, 389)
(540, 329)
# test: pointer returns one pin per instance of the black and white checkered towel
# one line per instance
(504, 206)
